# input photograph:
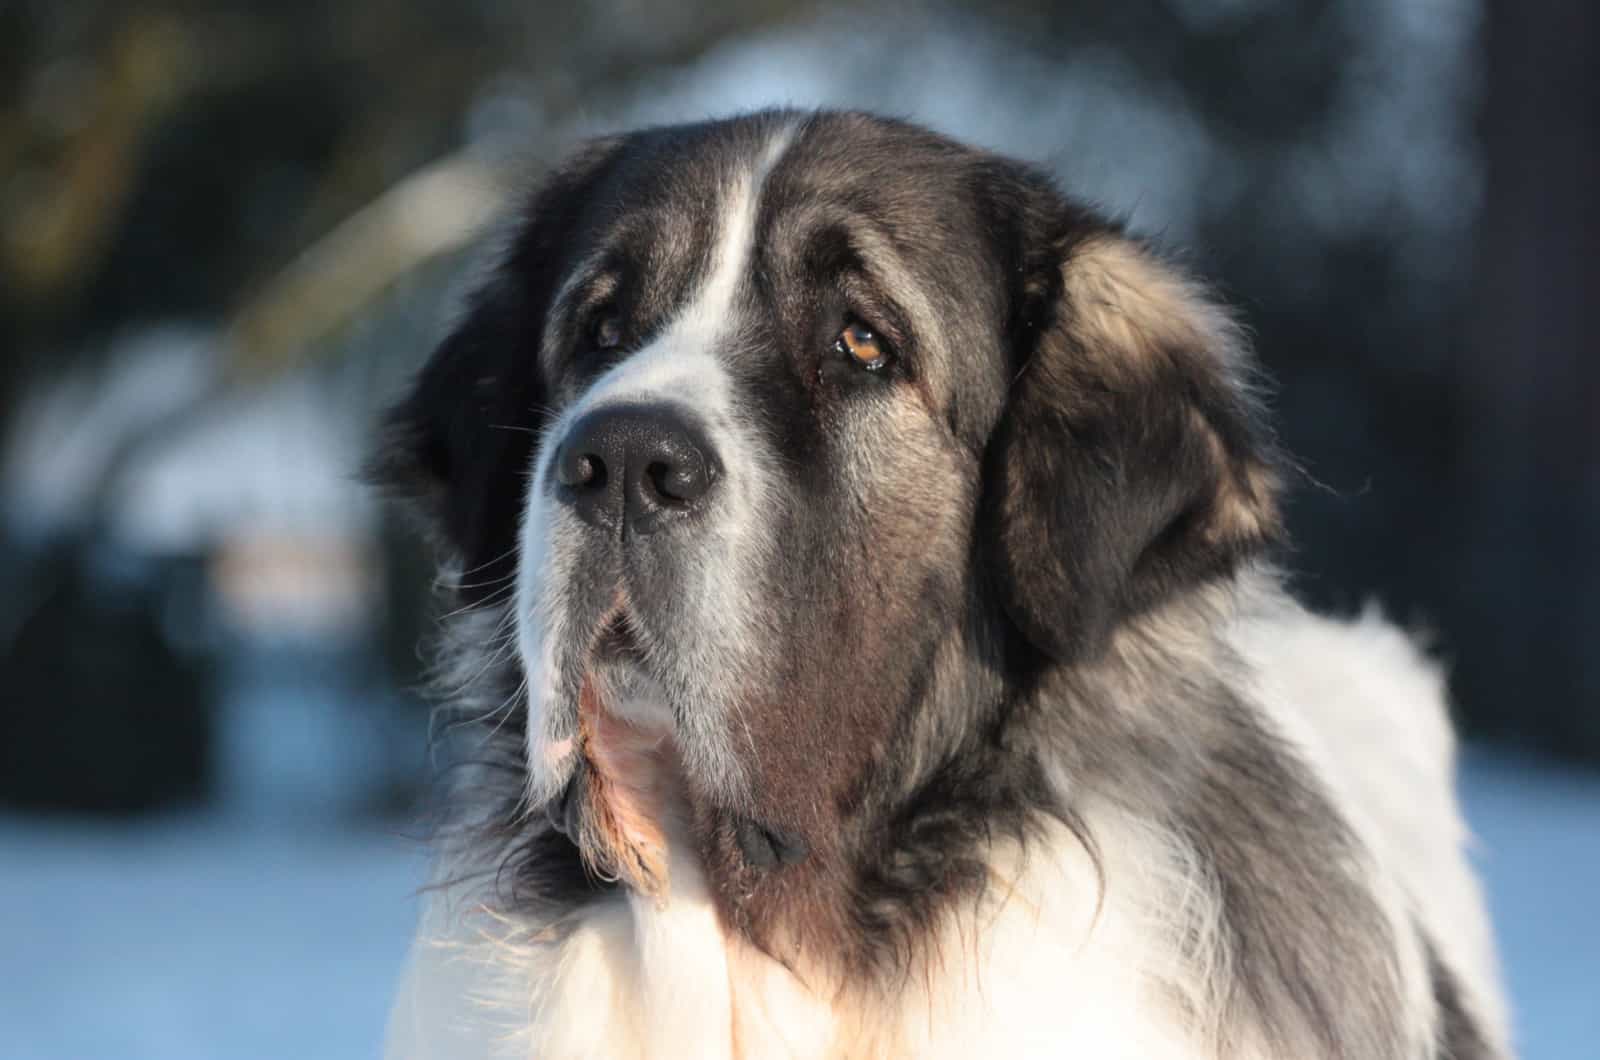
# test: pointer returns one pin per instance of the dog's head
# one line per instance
(787, 430)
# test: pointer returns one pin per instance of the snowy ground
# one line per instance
(1539, 849)
(199, 939)
(202, 938)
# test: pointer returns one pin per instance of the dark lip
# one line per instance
(606, 642)
(565, 811)
(616, 639)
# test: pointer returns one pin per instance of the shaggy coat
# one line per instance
(864, 642)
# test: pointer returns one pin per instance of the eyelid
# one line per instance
(605, 315)
(594, 298)
(864, 303)
(855, 318)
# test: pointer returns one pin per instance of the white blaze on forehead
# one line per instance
(710, 313)
(684, 366)
(707, 314)
(682, 361)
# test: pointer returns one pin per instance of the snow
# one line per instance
(199, 938)
(219, 936)
(206, 463)
(68, 432)
(276, 460)
(1539, 851)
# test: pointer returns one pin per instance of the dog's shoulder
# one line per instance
(1368, 708)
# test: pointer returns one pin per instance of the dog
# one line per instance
(866, 640)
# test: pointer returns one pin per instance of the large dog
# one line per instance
(863, 612)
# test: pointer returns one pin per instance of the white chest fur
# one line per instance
(1047, 965)
(1042, 968)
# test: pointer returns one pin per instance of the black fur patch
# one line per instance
(458, 443)
(1459, 1036)
(765, 847)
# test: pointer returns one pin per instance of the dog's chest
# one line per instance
(640, 977)
(645, 979)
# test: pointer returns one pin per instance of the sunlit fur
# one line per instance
(1132, 802)
(1049, 964)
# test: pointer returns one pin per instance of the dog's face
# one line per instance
(780, 427)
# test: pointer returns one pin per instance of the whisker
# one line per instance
(509, 707)
(488, 562)
(500, 640)
(479, 585)
(486, 601)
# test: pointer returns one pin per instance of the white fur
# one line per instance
(683, 365)
(1368, 710)
(1044, 968)
(1047, 966)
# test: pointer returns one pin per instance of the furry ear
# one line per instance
(458, 442)
(1130, 463)
(454, 443)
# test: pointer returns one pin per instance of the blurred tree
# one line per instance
(166, 159)
(103, 713)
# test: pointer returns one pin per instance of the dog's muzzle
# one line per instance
(635, 469)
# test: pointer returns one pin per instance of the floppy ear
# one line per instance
(1130, 463)
(459, 441)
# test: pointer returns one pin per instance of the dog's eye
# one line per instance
(865, 348)
(607, 332)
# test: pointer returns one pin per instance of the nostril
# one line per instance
(593, 471)
(581, 470)
(677, 483)
(637, 468)
(672, 484)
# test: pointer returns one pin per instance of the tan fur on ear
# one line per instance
(1135, 317)
(1134, 308)
(1246, 505)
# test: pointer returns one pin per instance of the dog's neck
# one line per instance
(1089, 883)
(631, 976)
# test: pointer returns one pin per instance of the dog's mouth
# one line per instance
(626, 792)
(617, 642)
(626, 801)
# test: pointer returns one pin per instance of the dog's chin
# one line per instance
(617, 668)
(620, 792)
(604, 662)
(624, 781)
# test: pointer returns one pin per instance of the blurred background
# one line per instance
(229, 231)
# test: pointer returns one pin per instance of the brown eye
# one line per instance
(607, 333)
(863, 346)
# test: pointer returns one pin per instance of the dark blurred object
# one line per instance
(1524, 599)
(103, 710)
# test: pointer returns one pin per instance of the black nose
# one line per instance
(638, 466)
